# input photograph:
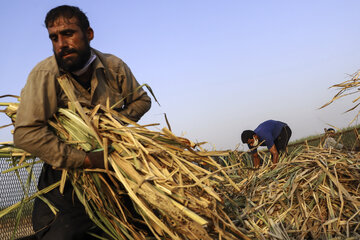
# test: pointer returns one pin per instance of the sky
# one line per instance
(216, 67)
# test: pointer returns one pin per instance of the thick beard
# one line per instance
(72, 65)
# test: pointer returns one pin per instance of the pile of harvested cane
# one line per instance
(160, 172)
(311, 194)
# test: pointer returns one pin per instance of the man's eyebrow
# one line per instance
(63, 31)
(67, 30)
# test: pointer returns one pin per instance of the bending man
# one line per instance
(273, 134)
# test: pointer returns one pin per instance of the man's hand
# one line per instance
(94, 160)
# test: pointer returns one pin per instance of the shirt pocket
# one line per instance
(109, 89)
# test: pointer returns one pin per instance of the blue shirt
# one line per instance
(269, 131)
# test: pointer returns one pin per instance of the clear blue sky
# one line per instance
(217, 67)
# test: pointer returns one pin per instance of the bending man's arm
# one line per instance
(256, 160)
(275, 154)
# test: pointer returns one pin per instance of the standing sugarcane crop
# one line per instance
(99, 79)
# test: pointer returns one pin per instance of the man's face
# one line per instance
(253, 142)
(71, 45)
(331, 134)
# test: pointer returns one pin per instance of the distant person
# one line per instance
(273, 134)
(330, 141)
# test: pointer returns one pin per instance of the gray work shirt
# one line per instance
(42, 96)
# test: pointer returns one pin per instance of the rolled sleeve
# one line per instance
(137, 102)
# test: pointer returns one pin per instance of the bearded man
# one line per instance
(96, 77)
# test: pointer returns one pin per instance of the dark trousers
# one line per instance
(282, 140)
(71, 222)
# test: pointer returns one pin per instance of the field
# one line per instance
(349, 137)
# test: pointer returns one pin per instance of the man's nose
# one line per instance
(62, 42)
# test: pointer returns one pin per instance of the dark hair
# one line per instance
(330, 130)
(67, 12)
(246, 135)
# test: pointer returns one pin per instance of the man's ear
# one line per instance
(90, 34)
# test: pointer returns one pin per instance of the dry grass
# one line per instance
(179, 192)
(347, 88)
(173, 196)
(312, 194)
